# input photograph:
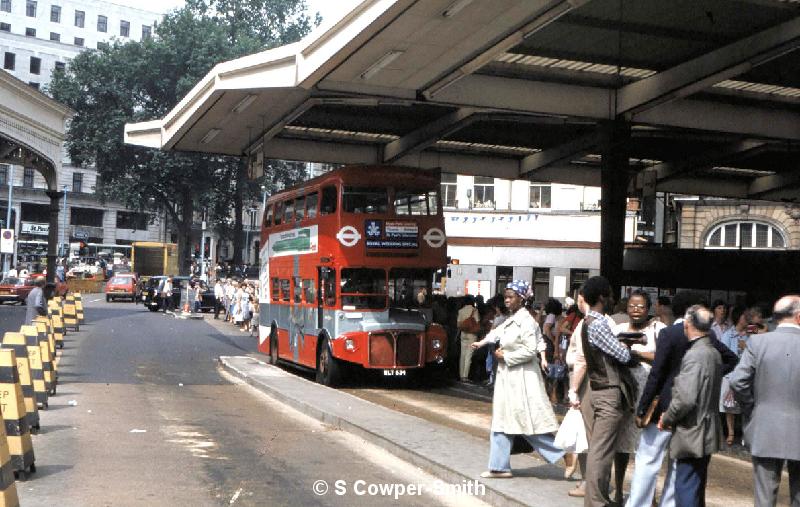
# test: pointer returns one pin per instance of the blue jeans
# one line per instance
(653, 446)
(690, 479)
(500, 449)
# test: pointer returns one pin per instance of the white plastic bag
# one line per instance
(571, 435)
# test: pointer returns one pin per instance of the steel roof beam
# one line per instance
(427, 135)
(562, 153)
(700, 73)
(575, 101)
(766, 184)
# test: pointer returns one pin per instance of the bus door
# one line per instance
(326, 291)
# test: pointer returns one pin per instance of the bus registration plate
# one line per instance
(394, 373)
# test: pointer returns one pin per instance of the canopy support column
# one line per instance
(614, 182)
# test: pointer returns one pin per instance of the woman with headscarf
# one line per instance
(520, 405)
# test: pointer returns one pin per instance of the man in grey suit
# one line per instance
(692, 412)
(35, 301)
(765, 382)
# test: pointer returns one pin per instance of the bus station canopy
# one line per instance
(709, 92)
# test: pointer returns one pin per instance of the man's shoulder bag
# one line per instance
(470, 324)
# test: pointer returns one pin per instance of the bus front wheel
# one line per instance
(329, 371)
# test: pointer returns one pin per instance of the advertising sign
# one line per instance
(296, 241)
(391, 234)
(7, 241)
(36, 229)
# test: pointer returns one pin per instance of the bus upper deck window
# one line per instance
(300, 208)
(433, 202)
(328, 204)
(268, 216)
(415, 203)
(278, 213)
(364, 200)
(311, 205)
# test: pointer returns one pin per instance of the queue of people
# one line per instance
(648, 387)
(238, 301)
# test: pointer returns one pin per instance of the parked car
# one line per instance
(15, 289)
(121, 286)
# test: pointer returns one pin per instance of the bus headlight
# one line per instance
(350, 345)
(436, 344)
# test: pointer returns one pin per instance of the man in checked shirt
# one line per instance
(613, 390)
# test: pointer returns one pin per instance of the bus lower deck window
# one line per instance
(308, 291)
(276, 288)
(285, 290)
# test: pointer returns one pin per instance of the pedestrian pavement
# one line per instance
(451, 455)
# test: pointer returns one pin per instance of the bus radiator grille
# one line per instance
(408, 349)
(381, 350)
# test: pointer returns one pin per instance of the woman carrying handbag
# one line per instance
(520, 405)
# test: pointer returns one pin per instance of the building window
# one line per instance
(30, 32)
(79, 41)
(61, 66)
(55, 14)
(541, 284)
(36, 65)
(449, 190)
(746, 234)
(5, 5)
(27, 177)
(146, 32)
(102, 45)
(80, 17)
(132, 220)
(77, 182)
(55, 36)
(577, 277)
(30, 9)
(483, 192)
(10, 61)
(102, 24)
(86, 216)
(3, 174)
(33, 85)
(5, 27)
(124, 29)
(540, 196)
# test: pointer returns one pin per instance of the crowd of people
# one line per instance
(238, 301)
(647, 384)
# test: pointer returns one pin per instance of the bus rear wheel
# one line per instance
(273, 346)
(329, 370)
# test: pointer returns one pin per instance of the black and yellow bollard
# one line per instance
(70, 317)
(48, 355)
(79, 306)
(41, 386)
(8, 488)
(16, 342)
(57, 316)
(17, 430)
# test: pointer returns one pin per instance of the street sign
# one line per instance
(7, 241)
(80, 235)
(34, 228)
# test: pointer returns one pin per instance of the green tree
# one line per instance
(140, 81)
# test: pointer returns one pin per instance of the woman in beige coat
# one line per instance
(520, 405)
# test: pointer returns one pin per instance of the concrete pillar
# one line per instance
(52, 234)
(614, 178)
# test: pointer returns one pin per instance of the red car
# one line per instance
(15, 289)
(121, 286)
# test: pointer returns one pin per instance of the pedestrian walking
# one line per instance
(519, 405)
(765, 383)
(734, 338)
(692, 412)
(35, 301)
(219, 295)
(613, 390)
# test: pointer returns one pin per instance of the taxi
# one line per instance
(15, 289)
(121, 286)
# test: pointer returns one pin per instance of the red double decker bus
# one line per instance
(347, 266)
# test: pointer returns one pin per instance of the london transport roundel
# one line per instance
(434, 237)
(348, 235)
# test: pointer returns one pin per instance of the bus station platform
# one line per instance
(452, 455)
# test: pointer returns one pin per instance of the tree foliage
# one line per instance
(141, 81)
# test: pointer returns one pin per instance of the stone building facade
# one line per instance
(730, 224)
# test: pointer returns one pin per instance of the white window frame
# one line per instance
(448, 187)
(540, 186)
(753, 237)
(474, 198)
